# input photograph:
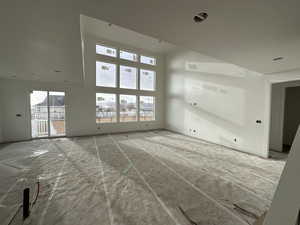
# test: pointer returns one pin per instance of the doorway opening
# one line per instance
(285, 118)
(47, 114)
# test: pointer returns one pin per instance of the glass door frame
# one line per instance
(49, 115)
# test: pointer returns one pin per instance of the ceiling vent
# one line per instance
(200, 17)
(278, 58)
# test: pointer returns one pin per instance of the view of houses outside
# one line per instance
(40, 118)
(106, 111)
(147, 104)
(128, 108)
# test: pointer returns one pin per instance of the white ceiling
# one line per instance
(103, 31)
(246, 33)
(38, 37)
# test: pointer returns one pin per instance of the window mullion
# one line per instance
(138, 108)
(118, 107)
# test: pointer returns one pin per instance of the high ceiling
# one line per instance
(41, 37)
(40, 40)
(246, 33)
(103, 31)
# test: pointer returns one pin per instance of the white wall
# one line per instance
(80, 103)
(277, 113)
(217, 102)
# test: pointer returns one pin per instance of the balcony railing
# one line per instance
(41, 112)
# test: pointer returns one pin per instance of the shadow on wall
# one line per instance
(221, 101)
(223, 129)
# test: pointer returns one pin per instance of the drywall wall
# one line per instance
(277, 113)
(80, 101)
(217, 101)
(285, 206)
(291, 115)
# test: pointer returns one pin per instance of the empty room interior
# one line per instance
(149, 112)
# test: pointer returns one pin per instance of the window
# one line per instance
(128, 56)
(128, 108)
(124, 76)
(103, 50)
(106, 110)
(47, 113)
(148, 60)
(106, 74)
(147, 80)
(128, 77)
(147, 108)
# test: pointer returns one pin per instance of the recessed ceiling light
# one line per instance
(278, 58)
(200, 17)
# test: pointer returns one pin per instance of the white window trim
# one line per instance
(124, 91)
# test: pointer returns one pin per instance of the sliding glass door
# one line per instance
(47, 114)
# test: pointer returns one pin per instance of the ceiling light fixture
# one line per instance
(200, 17)
(278, 58)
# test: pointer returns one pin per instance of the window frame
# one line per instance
(116, 74)
(118, 91)
(131, 52)
(154, 108)
(140, 60)
(154, 81)
(136, 105)
(107, 46)
(116, 108)
(136, 77)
